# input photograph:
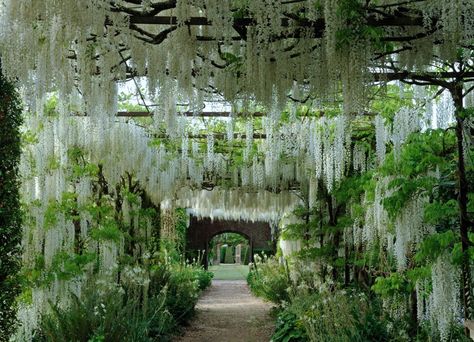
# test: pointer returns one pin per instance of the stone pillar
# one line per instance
(218, 255)
(238, 254)
(470, 326)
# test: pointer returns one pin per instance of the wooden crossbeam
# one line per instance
(219, 136)
(222, 114)
(285, 22)
(238, 137)
(193, 21)
(191, 114)
(301, 26)
(421, 76)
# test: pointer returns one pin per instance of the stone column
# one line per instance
(238, 254)
(470, 326)
(218, 255)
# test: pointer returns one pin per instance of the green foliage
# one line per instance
(203, 277)
(394, 284)
(340, 316)
(425, 165)
(288, 328)
(10, 213)
(229, 254)
(126, 103)
(387, 100)
(233, 63)
(107, 316)
(356, 28)
(50, 107)
(439, 211)
(109, 231)
(232, 239)
(331, 316)
(183, 289)
(181, 228)
(120, 313)
(420, 154)
(65, 266)
(414, 167)
(88, 169)
(437, 244)
(352, 187)
(270, 280)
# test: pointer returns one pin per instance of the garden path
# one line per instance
(228, 312)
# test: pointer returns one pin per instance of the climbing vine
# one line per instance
(383, 218)
(385, 239)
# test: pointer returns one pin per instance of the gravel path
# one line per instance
(228, 312)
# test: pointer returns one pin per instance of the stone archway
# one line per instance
(201, 232)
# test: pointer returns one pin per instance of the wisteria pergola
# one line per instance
(258, 56)
(243, 49)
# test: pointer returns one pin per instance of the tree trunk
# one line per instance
(465, 225)
(413, 314)
(347, 268)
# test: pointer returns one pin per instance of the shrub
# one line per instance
(340, 316)
(124, 313)
(183, 290)
(288, 327)
(269, 279)
(203, 277)
(106, 316)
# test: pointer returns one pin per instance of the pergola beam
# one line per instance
(145, 114)
(219, 136)
(301, 26)
(421, 76)
(285, 22)
(425, 77)
(192, 114)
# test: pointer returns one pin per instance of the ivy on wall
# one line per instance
(10, 213)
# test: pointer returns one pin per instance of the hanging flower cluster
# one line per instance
(264, 50)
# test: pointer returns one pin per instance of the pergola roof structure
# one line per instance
(241, 50)
(261, 54)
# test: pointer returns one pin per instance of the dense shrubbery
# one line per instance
(382, 257)
(185, 283)
(130, 312)
(108, 316)
(269, 280)
(289, 327)
(307, 313)
(339, 316)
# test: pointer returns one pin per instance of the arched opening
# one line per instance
(229, 255)
(202, 231)
(229, 247)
